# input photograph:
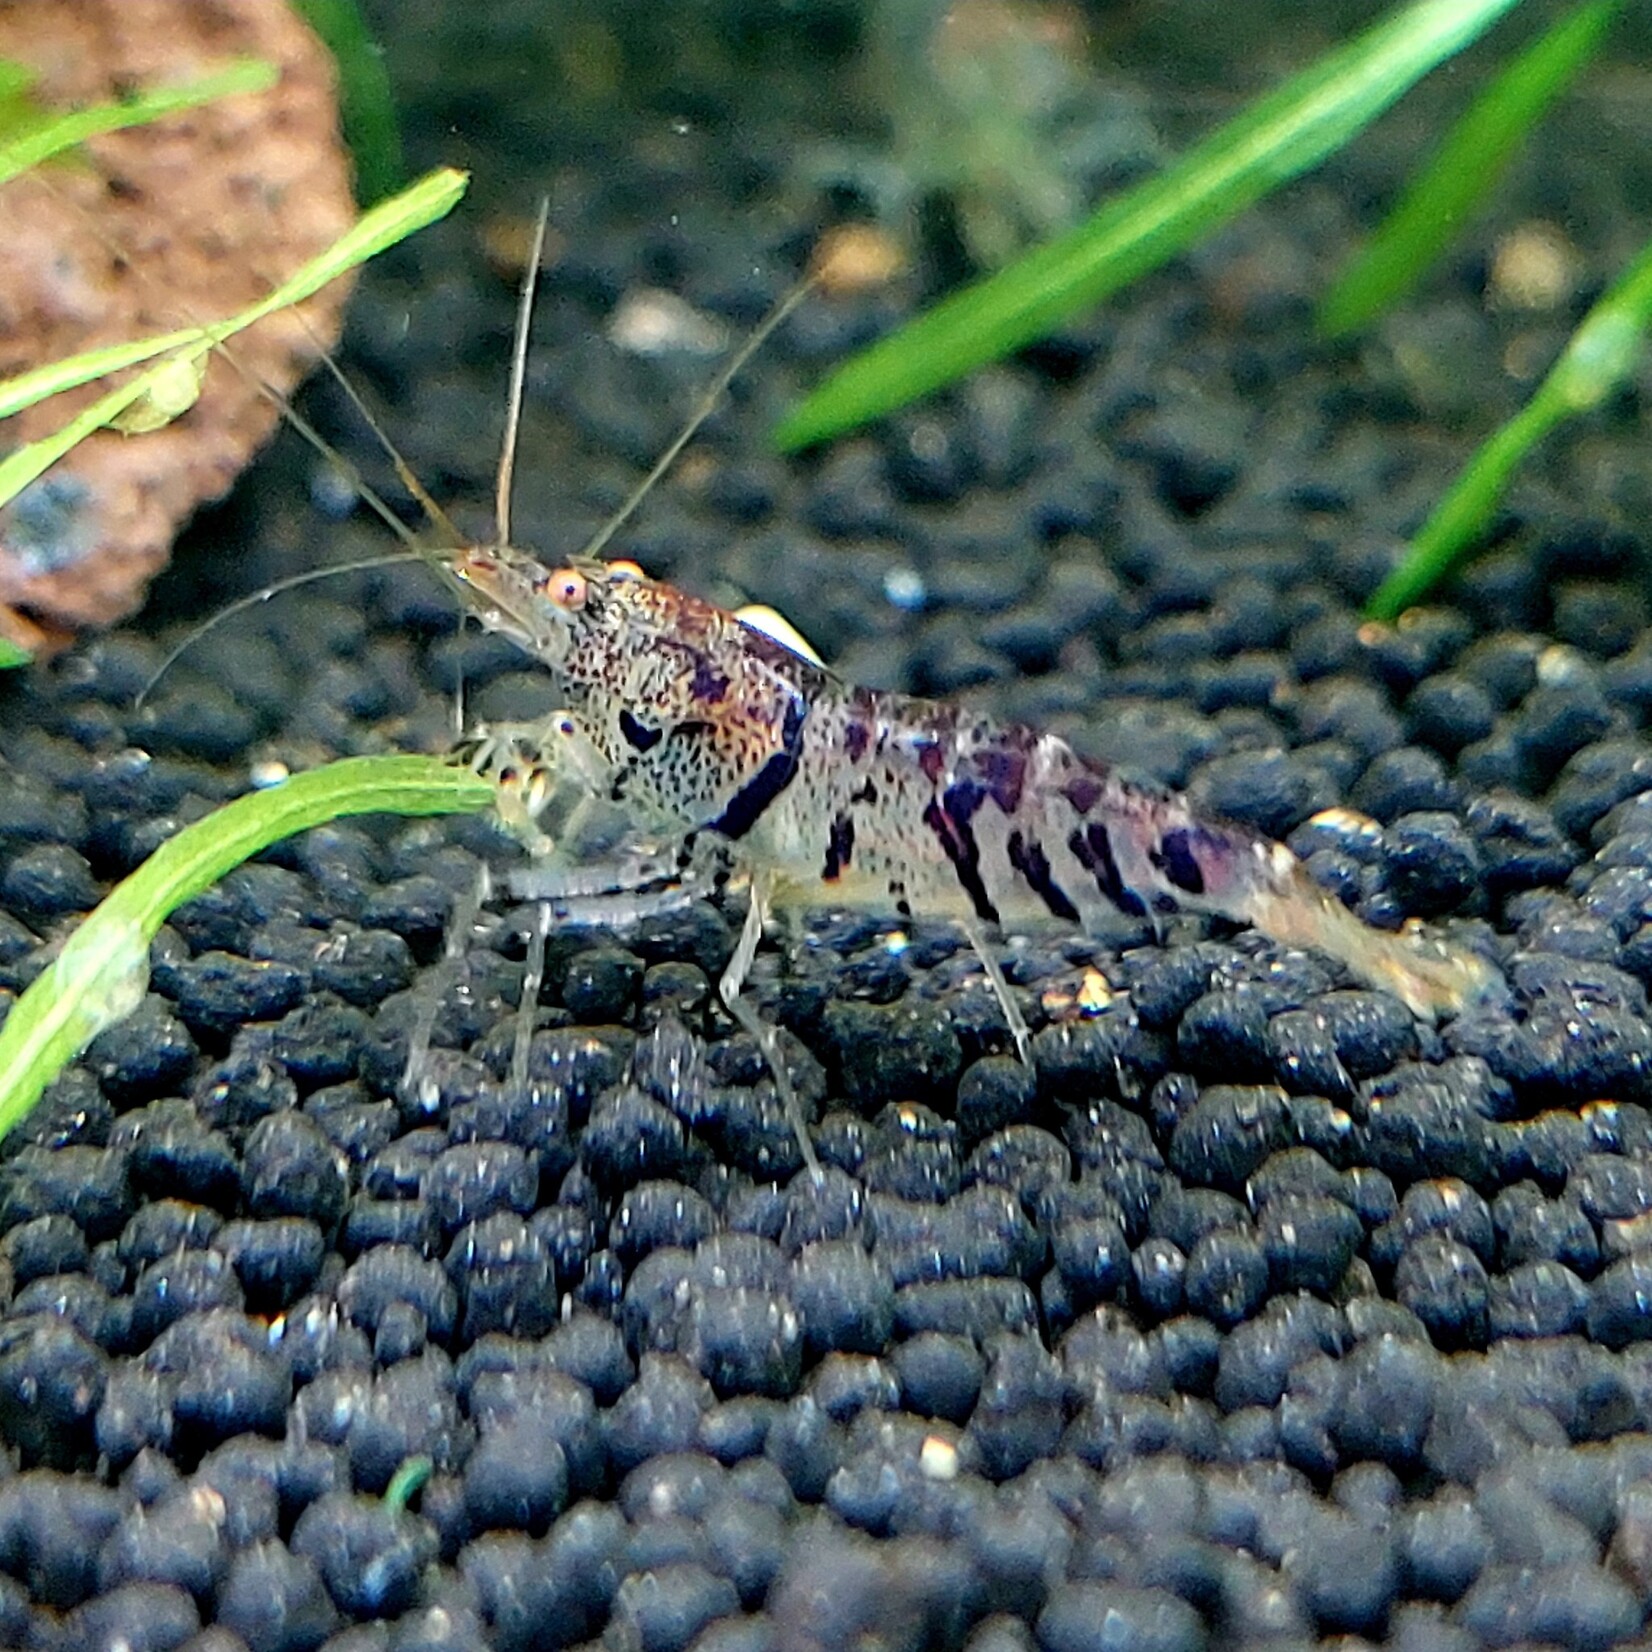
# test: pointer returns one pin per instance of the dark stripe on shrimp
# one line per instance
(707, 683)
(638, 734)
(1083, 791)
(1175, 858)
(1005, 773)
(746, 807)
(962, 800)
(840, 845)
(1033, 864)
(1093, 850)
(964, 852)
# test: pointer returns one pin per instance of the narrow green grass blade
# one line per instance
(1278, 137)
(149, 392)
(407, 1482)
(62, 132)
(11, 656)
(421, 203)
(1598, 358)
(1442, 197)
(102, 972)
(39, 383)
(364, 95)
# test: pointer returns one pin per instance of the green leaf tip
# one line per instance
(1465, 168)
(1598, 358)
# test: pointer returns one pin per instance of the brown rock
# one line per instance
(158, 227)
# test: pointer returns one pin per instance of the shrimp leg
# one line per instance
(417, 1083)
(1019, 1031)
(555, 768)
(745, 1014)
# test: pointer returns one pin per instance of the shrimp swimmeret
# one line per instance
(831, 795)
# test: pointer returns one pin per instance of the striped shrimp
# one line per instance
(832, 795)
(690, 739)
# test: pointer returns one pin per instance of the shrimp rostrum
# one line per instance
(832, 795)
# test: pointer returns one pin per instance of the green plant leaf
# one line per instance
(365, 98)
(1598, 358)
(1443, 196)
(1278, 137)
(421, 203)
(40, 383)
(59, 132)
(383, 226)
(183, 352)
(27, 463)
(102, 972)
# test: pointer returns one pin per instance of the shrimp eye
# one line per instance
(566, 588)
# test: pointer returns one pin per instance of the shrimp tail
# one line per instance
(1149, 851)
(1433, 978)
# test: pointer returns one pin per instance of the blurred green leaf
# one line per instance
(58, 132)
(365, 99)
(1442, 197)
(1275, 139)
(1598, 358)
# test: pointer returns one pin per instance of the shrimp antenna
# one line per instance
(415, 552)
(707, 406)
(310, 576)
(519, 377)
(434, 513)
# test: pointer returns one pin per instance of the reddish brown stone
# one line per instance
(161, 226)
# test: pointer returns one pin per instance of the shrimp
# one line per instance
(833, 795)
(693, 742)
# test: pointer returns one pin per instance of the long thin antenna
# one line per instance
(437, 517)
(358, 483)
(519, 376)
(708, 405)
(252, 599)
